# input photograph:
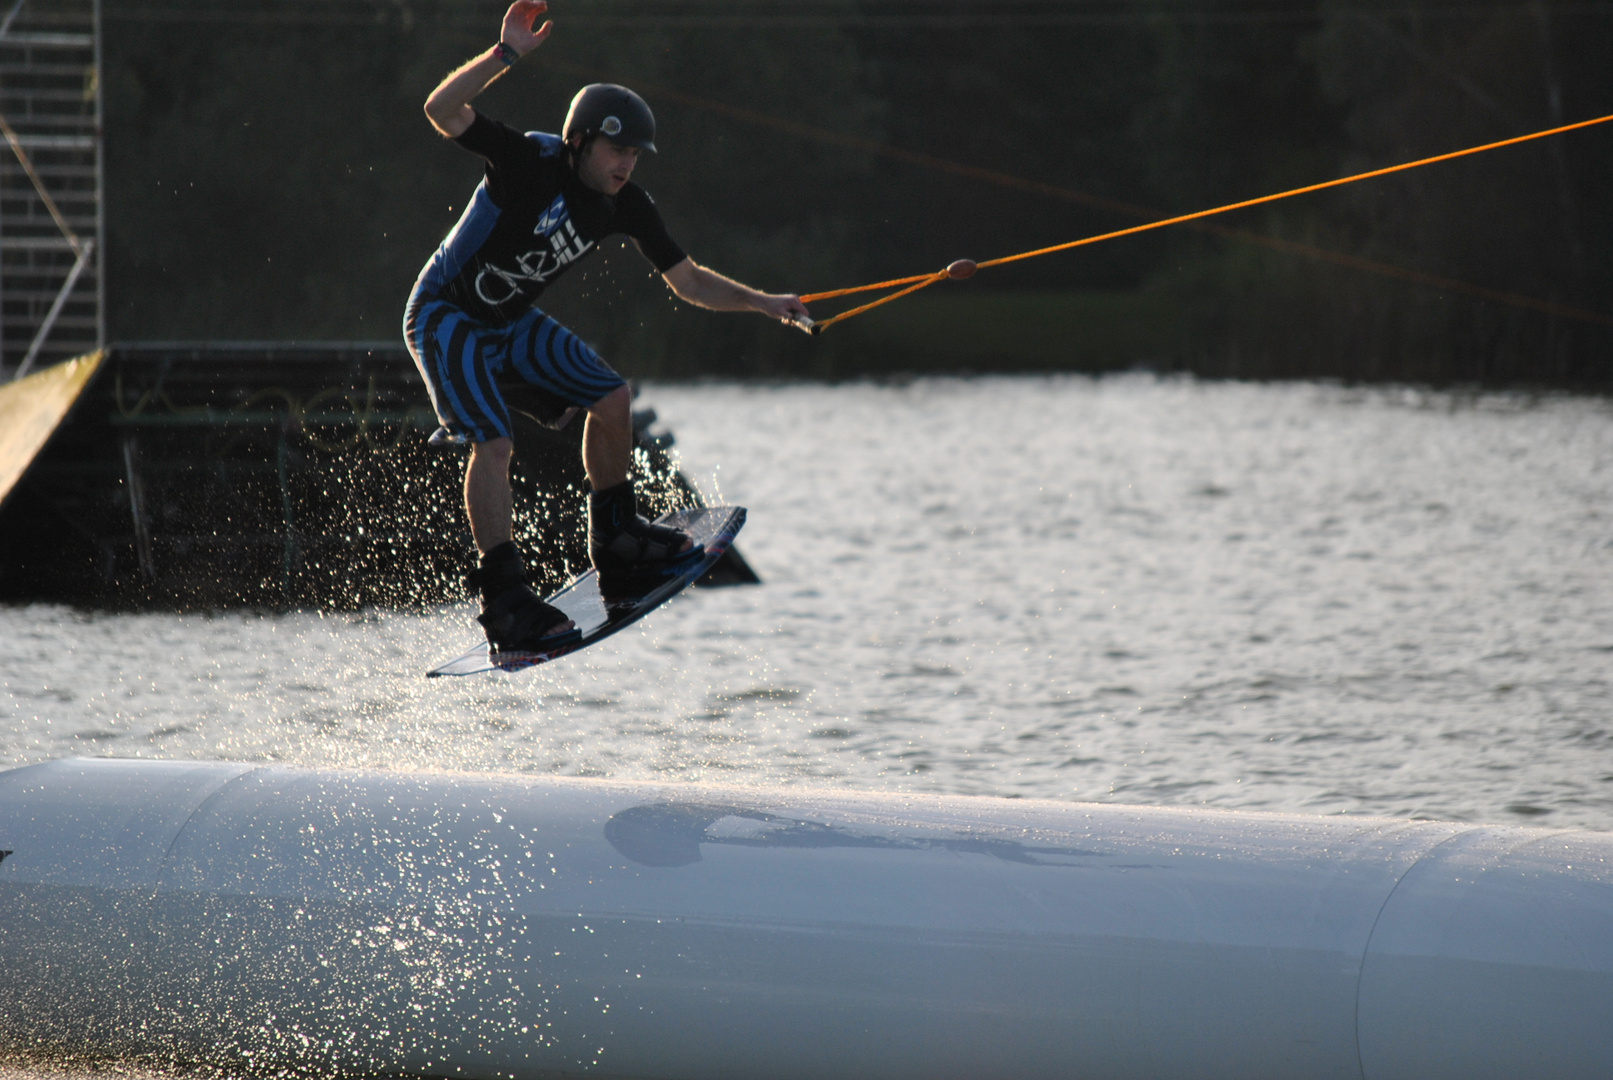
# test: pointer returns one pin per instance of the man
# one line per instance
(543, 205)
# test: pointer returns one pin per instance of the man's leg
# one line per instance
(631, 554)
(607, 439)
(512, 613)
(452, 352)
(487, 494)
(607, 455)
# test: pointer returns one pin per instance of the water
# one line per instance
(1292, 597)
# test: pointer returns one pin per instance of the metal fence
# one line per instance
(51, 226)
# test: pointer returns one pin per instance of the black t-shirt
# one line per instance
(530, 219)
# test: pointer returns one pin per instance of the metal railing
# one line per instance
(51, 224)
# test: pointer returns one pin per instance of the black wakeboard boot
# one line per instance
(633, 556)
(515, 619)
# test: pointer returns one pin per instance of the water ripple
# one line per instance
(1292, 597)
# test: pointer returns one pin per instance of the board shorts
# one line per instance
(463, 361)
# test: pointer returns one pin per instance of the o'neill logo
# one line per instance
(497, 286)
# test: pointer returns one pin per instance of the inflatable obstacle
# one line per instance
(510, 926)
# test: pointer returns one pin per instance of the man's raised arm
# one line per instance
(448, 107)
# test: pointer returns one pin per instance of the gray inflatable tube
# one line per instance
(508, 926)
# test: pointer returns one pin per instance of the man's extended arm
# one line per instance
(709, 289)
(448, 107)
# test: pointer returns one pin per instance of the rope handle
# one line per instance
(962, 268)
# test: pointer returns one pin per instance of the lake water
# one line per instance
(1143, 590)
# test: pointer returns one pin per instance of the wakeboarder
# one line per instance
(544, 204)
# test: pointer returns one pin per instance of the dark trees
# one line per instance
(270, 175)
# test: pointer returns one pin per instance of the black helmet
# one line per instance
(612, 111)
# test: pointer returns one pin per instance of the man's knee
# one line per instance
(492, 452)
(616, 403)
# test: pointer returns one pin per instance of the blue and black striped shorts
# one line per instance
(462, 361)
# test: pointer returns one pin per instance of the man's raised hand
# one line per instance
(518, 33)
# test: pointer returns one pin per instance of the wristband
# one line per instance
(507, 54)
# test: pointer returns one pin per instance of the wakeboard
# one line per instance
(599, 616)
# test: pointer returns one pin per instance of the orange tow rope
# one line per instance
(964, 268)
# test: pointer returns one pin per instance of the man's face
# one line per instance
(606, 166)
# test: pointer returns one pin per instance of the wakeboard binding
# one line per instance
(515, 618)
(631, 555)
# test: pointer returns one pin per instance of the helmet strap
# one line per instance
(574, 153)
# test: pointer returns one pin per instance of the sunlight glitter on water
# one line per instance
(1283, 597)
